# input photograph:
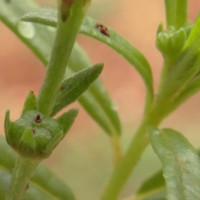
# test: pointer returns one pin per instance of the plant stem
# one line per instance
(67, 30)
(117, 149)
(124, 168)
(24, 169)
(176, 13)
(181, 13)
(170, 12)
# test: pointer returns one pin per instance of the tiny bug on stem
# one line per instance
(103, 29)
(38, 119)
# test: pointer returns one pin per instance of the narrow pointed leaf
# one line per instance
(42, 178)
(181, 164)
(32, 35)
(30, 103)
(67, 119)
(155, 182)
(98, 93)
(104, 34)
(153, 188)
(40, 41)
(74, 86)
(90, 103)
(194, 34)
(27, 139)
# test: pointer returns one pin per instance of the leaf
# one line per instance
(90, 103)
(67, 119)
(72, 87)
(30, 102)
(155, 182)
(41, 42)
(181, 164)
(43, 178)
(194, 34)
(101, 100)
(92, 28)
(153, 188)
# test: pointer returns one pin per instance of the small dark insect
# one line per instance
(38, 119)
(33, 130)
(103, 29)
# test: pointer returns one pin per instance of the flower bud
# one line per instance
(171, 42)
(35, 135)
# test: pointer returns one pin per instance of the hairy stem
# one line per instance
(24, 169)
(69, 22)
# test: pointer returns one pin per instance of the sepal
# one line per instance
(35, 135)
(30, 102)
(67, 119)
(171, 42)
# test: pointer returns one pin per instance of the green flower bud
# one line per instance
(35, 135)
(171, 42)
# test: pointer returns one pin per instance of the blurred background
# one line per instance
(84, 159)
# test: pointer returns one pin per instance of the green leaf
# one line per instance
(194, 34)
(155, 182)
(32, 35)
(90, 103)
(153, 188)
(30, 102)
(181, 164)
(101, 100)
(67, 119)
(104, 34)
(43, 178)
(40, 41)
(74, 86)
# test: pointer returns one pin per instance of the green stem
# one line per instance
(24, 169)
(117, 149)
(170, 12)
(69, 22)
(176, 13)
(124, 168)
(181, 13)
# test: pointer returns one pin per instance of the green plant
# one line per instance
(37, 132)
